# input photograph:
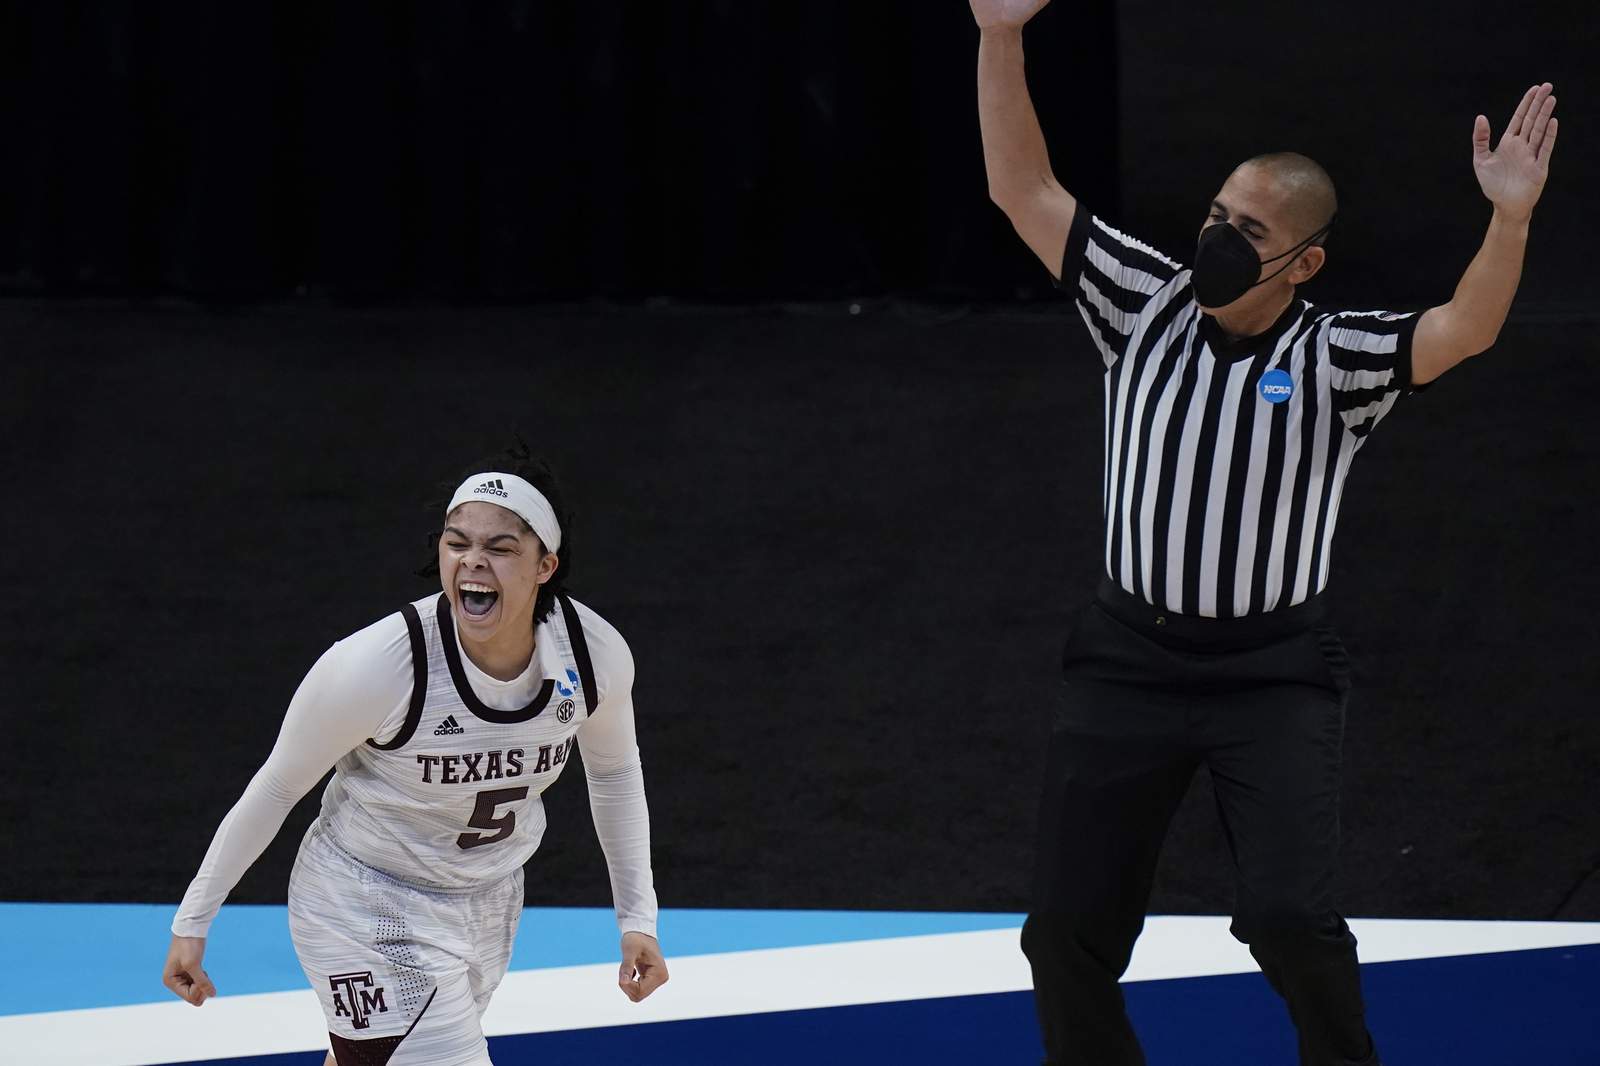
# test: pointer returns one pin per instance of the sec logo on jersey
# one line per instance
(565, 712)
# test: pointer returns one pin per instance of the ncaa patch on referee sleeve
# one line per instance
(1276, 386)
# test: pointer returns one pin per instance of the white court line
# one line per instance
(1175, 946)
(709, 986)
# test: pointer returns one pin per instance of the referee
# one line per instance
(1233, 412)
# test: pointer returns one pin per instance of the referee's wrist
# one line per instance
(1512, 218)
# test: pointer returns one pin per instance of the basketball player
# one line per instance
(444, 722)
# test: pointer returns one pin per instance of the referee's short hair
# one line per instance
(1311, 191)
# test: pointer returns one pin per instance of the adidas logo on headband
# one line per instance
(515, 494)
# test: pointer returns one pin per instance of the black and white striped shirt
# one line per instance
(1224, 460)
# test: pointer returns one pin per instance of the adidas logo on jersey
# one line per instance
(449, 727)
(494, 487)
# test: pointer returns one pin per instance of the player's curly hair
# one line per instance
(517, 459)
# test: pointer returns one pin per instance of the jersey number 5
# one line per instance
(483, 817)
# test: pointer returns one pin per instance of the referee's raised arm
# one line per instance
(1014, 153)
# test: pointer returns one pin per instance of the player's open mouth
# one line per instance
(477, 600)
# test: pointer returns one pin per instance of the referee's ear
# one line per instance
(1307, 265)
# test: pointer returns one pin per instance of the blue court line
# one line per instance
(1471, 1010)
(249, 949)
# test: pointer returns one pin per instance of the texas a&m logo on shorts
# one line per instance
(351, 998)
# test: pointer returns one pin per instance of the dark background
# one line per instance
(506, 151)
(1383, 94)
(277, 271)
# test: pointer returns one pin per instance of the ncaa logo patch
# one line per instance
(1276, 386)
(566, 689)
(565, 712)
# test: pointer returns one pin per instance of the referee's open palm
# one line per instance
(1005, 12)
(1512, 176)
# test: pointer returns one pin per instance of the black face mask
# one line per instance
(1226, 267)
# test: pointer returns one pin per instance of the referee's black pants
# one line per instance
(1149, 698)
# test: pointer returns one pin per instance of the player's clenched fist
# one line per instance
(1006, 13)
(643, 969)
(182, 972)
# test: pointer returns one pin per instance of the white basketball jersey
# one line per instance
(452, 800)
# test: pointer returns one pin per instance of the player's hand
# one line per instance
(182, 972)
(1007, 14)
(1512, 176)
(643, 969)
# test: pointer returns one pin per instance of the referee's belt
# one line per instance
(1201, 633)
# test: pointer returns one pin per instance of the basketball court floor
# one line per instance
(751, 988)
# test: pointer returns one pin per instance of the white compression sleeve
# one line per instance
(353, 692)
(611, 764)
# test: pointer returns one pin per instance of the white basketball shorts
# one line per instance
(404, 973)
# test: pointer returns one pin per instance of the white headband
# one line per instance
(518, 497)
